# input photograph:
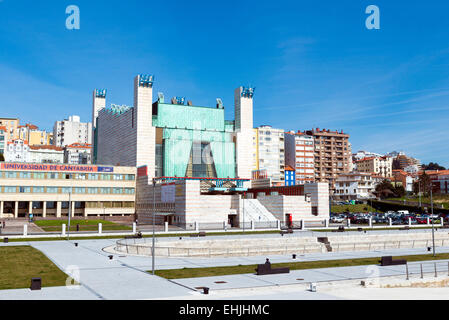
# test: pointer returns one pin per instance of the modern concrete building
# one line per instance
(382, 166)
(300, 155)
(270, 150)
(354, 186)
(46, 189)
(78, 153)
(70, 131)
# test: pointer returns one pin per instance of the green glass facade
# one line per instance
(185, 127)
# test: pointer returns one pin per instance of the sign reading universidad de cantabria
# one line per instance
(55, 167)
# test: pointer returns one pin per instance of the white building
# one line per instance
(299, 154)
(364, 154)
(17, 151)
(271, 153)
(71, 131)
(46, 154)
(354, 186)
(78, 153)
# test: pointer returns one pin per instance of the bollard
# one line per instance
(428, 221)
(63, 230)
(409, 221)
(278, 224)
(25, 230)
(252, 225)
(302, 224)
(349, 223)
(166, 226)
(36, 284)
(134, 228)
(406, 269)
(111, 257)
(390, 221)
(370, 222)
(76, 244)
(206, 290)
(5, 240)
(422, 275)
(197, 227)
(100, 228)
(293, 256)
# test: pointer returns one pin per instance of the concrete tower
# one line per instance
(143, 121)
(243, 102)
(99, 102)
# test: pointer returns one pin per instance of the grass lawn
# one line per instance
(240, 269)
(438, 200)
(85, 225)
(19, 264)
(353, 208)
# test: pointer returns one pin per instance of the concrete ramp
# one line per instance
(255, 211)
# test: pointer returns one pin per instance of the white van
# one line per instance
(403, 212)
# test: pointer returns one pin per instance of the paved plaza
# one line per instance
(126, 277)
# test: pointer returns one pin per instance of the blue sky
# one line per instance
(313, 63)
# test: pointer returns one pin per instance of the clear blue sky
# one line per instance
(313, 63)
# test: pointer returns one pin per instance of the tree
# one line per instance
(432, 166)
(423, 184)
(399, 191)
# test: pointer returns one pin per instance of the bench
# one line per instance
(199, 234)
(388, 261)
(289, 230)
(263, 269)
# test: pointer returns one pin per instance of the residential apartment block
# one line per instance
(271, 153)
(333, 155)
(78, 153)
(355, 186)
(300, 155)
(381, 166)
(10, 127)
(20, 151)
(70, 131)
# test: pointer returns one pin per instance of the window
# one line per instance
(92, 190)
(117, 190)
(129, 190)
(130, 177)
(52, 175)
(105, 190)
(66, 190)
(39, 175)
(118, 177)
(52, 190)
(11, 175)
(38, 189)
(10, 189)
(25, 189)
(80, 190)
(93, 176)
(25, 175)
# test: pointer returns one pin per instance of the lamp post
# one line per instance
(70, 213)
(152, 250)
(243, 211)
(433, 229)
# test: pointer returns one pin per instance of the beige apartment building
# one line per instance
(45, 190)
(381, 166)
(11, 125)
(333, 155)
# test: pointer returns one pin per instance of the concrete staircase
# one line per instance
(255, 211)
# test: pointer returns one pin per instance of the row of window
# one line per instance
(59, 175)
(63, 190)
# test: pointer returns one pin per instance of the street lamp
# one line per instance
(433, 229)
(70, 213)
(152, 250)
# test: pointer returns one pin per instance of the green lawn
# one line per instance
(85, 225)
(21, 263)
(240, 269)
(438, 200)
(353, 208)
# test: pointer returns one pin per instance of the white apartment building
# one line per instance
(70, 131)
(271, 153)
(299, 154)
(382, 166)
(17, 151)
(364, 154)
(78, 153)
(355, 186)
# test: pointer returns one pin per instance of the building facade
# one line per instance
(271, 153)
(3, 140)
(382, 166)
(300, 155)
(45, 190)
(354, 186)
(17, 151)
(70, 131)
(45, 154)
(333, 155)
(78, 153)
(11, 125)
